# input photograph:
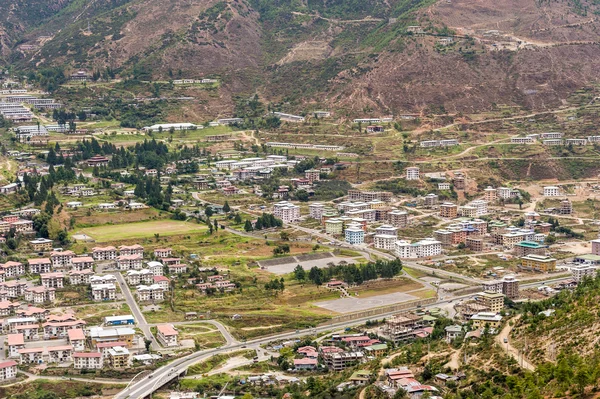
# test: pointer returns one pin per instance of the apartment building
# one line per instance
(580, 272)
(40, 265)
(40, 294)
(538, 263)
(87, 360)
(448, 210)
(52, 280)
(8, 370)
(354, 235)
(422, 249)
(412, 173)
(316, 210)
(80, 277)
(61, 259)
(104, 253)
(104, 292)
(551, 191)
(130, 262)
(398, 218)
(150, 293)
(82, 263)
(12, 269)
(167, 335)
(494, 301)
(385, 241)
(286, 211)
(131, 250)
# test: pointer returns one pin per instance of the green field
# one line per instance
(141, 230)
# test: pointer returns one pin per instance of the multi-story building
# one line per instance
(40, 265)
(12, 269)
(385, 241)
(524, 248)
(40, 294)
(87, 360)
(316, 210)
(13, 288)
(354, 235)
(118, 357)
(41, 244)
(336, 226)
(137, 277)
(459, 182)
(60, 354)
(163, 252)
(421, 249)
(596, 246)
(506, 192)
(480, 206)
(312, 175)
(52, 280)
(120, 335)
(551, 191)
(402, 327)
(80, 277)
(449, 210)
(398, 218)
(82, 263)
(539, 263)
(167, 335)
(131, 250)
(104, 253)
(150, 293)
(15, 342)
(430, 200)
(510, 287)
(486, 319)
(286, 211)
(107, 279)
(566, 207)
(340, 360)
(475, 244)
(8, 370)
(76, 338)
(580, 272)
(62, 259)
(490, 194)
(412, 173)
(104, 292)
(130, 262)
(492, 300)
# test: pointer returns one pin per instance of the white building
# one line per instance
(286, 211)
(481, 207)
(104, 292)
(581, 271)
(412, 173)
(421, 249)
(152, 293)
(8, 370)
(165, 127)
(315, 210)
(87, 360)
(551, 191)
(385, 241)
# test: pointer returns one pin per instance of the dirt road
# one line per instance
(507, 347)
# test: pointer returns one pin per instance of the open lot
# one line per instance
(346, 305)
(288, 267)
(141, 230)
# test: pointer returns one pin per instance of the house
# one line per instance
(162, 281)
(177, 269)
(453, 332)
(87, 360)
(8, 370)
(486, 319)
(167, 335)
(76, 338)
(305, 364)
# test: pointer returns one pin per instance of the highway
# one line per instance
(163, 375)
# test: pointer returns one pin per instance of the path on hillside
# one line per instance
(508, 348)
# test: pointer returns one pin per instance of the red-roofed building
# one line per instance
(87, 360)
(162, 281)
(8, 370)
(167, 334)
(76, 338)
(305, 364)
(15, 342)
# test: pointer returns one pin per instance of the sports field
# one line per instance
(115, 232)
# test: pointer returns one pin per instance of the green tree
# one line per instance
(299, 273)
(226, 207)
(248, 226)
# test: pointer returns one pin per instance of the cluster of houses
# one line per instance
(34, 337)
(553, 138)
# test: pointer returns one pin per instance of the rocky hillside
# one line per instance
(360, 56)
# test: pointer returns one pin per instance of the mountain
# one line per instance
(357, 57)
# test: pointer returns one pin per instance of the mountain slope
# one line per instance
(348, 55)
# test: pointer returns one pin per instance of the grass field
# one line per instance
(141, 230)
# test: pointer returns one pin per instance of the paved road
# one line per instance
(222, 329)
(169, 372)
(137, 313)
